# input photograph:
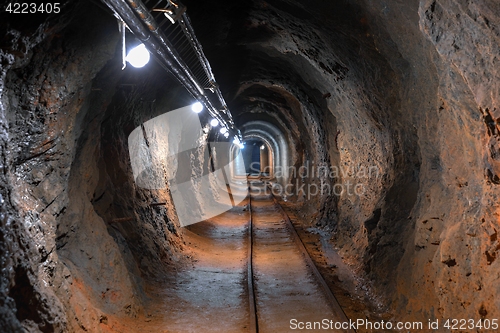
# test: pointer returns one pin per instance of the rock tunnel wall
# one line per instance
(79, 238)
(443, 259)
(410, 89)
(46, 86)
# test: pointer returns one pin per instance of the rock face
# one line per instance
(398, 99)
(77, 236)
(408, 89)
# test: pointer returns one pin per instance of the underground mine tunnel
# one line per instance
(352, 176)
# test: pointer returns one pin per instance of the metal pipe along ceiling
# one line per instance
(143, 25)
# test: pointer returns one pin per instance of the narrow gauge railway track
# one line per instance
(286, 290)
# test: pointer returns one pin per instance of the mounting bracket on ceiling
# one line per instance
(122, 26)
(173, 12)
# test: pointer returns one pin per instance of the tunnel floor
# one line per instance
(210, 294)
(285, 287)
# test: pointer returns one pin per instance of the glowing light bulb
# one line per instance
(139, 56)
(226, 135)
(197, 107)
(223, 130)
(237, 142)
(214, 122)
(262, 147)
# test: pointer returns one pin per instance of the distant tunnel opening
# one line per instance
(257, 157)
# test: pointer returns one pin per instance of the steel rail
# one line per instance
(254, 324)
(332, 300)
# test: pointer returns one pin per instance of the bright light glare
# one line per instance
(226, 135)
(214, 122)
(262, 147)
(139, 56)
(237, 142)
(223, 130)
(197, 107)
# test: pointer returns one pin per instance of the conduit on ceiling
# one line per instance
(165, 29)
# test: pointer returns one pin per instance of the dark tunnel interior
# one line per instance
(380, 120)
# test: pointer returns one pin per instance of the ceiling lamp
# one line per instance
(237, 142)
(197, 107)
(139, 56)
